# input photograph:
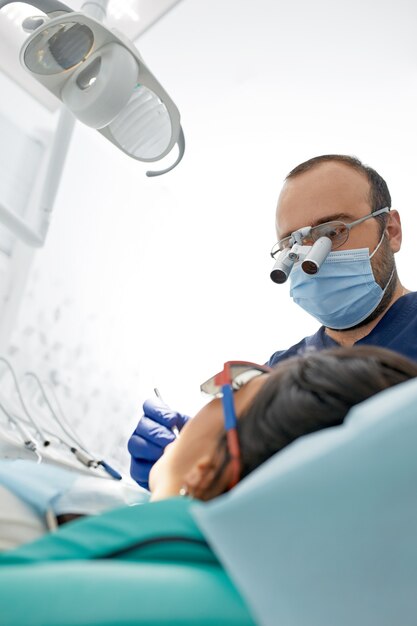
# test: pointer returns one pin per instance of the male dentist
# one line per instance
(356, 295)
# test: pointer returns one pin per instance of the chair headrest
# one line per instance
(325, 531)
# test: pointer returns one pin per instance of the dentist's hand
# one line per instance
(151, 436)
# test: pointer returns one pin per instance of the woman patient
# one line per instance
(165, 548)
(301, 395)
(273, 408)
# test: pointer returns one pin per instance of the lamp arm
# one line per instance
(46, 6)
(18, 227)
(54, 166)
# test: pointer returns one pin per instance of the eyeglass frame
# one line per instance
(301, 233)
(226, 384)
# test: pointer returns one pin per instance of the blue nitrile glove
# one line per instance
(151, 436)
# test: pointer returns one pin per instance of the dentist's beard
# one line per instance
(383, 267)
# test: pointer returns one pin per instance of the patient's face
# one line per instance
(198, 440)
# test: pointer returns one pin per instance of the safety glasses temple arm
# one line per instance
(228, 407)
(386, 209)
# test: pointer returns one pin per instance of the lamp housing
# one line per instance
(100, 76)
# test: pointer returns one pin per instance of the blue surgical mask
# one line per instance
(343, 293)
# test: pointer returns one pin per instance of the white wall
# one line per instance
(148, 282)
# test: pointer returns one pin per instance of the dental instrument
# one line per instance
(159, 396)
(28, 441)
(79, 450)
(45, 441)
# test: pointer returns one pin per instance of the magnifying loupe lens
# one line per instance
(310, 267)
(59, 47)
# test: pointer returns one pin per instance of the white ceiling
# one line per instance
(131, 17)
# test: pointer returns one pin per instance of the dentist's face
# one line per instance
(335, 191)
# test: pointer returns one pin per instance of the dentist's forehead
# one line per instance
(328, 191)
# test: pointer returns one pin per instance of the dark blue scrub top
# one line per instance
(397, 330)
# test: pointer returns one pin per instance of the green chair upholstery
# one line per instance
(146, 564)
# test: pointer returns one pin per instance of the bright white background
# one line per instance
(155, 282)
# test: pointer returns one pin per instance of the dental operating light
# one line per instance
(100, 76)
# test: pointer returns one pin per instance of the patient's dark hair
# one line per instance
(307, 393)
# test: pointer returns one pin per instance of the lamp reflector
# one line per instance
(143, 127)
(59, 47)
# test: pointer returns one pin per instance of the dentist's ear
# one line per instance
(393, 230)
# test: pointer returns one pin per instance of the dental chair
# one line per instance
(324, 533)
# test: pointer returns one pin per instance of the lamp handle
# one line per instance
(181, 150)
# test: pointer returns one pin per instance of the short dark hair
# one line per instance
(307, 393)
(379, 195)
